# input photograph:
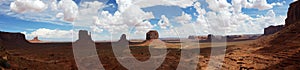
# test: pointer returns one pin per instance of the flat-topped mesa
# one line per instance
(197, 37)
(7, 36)
(152, 34)
(293, 14)
(13, 39)
(273, 29)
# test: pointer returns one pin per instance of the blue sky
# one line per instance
(57, 24)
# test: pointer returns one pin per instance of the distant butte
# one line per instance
(152, 38)
(84, 35)
(35, 39)
(152, 34)
(123, 38)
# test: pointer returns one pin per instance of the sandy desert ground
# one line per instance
(279, 51)
(240, 54)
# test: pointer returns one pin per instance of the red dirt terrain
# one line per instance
(277, 51)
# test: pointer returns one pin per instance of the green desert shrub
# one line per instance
(4, 63)
(1, 48)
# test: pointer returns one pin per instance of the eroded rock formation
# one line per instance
(14, 39)
(293, 14)
(272, 29)
(123, 38)
(153, 34)
(84, 35)
(198, 37)
(285, 44)
(6, 36)
(210, 37)
(84, 50)
(35, 39)
(289, 36)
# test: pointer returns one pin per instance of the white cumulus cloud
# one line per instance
(261, 4)
(48, 33)
(218, 5)
(149, 3)
(123, 21)
(198, 8)
(184, 18)
(69, 8)
(53, 5)
(87, 12)
(229, 18)
(21, 6)
(96, 29)
(164, 22)
(277, 4)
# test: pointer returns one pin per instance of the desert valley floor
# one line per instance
(279, 50)
(239, 54)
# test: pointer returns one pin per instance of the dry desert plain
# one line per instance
(278, 51)
(59, 56)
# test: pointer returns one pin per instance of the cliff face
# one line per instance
(285, 44)
(272, 29)
(293, 17)
(289, 36)
(6, 36)
(293, 14)
(13, 39)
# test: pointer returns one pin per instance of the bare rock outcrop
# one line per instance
(6, 36)
(290, 34)
(123, 38)
(152, 37)
(273, 29)
(293, 14)
(284, 44)
(198, 37)
(35, 39)
(13, 39)
(192, 37)
(84, 35)
(153, 34)
(210, 37)
(289, 37)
